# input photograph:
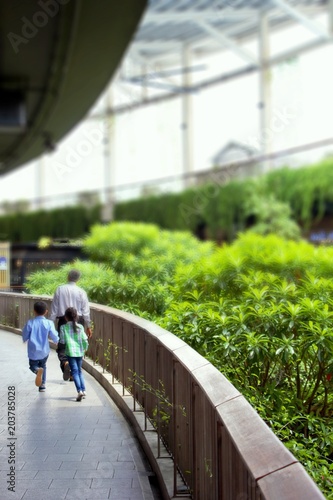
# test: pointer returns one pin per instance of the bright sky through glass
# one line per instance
(148, 141)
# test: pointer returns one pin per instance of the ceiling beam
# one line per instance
(156, 45)
(166, 73)
(158, 85)
(228, 14)
(222, 78)
(227, 42)
(154, 77)
(308, 23)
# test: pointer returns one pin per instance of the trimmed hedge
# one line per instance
(224, 210)
(67, 222)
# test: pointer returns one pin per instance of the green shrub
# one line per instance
(260, 309)
(133, 248)
(135, 265)
(67, 222)
(277, 203)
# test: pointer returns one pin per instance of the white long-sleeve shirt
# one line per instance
(70, 295)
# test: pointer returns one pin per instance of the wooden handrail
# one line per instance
(219, 444)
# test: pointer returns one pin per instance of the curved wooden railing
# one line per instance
(219, 444)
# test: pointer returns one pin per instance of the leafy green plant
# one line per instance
(162, 412)
(276, 202)
(68, 222)
(134, 248)
(108, 350)
(260, 309)
(271, 217)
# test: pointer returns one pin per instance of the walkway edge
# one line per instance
(161, 466)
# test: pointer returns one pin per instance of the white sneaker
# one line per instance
(84, 394)
(79, 396)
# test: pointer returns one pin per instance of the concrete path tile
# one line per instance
(54, 448)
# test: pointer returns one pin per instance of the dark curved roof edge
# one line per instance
(59, 61)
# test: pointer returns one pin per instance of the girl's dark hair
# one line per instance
(71, 315)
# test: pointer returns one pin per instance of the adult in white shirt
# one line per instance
(70, 295)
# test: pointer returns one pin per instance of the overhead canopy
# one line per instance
(207, 25)
(57, 56)
(174, 34)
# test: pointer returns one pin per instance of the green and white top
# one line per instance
(76, 342)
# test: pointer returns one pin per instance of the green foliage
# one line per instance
(217, 274)
(277, 202)
(272, 217)
(135, 265)
(308, 191)
(143, 249)
(67, 222)
(150, 210)
(107, 352)
(103, 241)
(104, 286)
(260, 309)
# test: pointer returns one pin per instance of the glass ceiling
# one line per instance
(205, 25)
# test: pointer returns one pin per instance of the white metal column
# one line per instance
(187, 117)
(265, 103)
(144, 90)
(40, 181)
(109, 158)
(330, 13)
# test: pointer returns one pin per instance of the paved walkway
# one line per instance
(62, 449)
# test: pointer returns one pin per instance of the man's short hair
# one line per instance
(74, 275)
(40, 307)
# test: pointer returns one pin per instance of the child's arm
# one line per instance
(53, 334)
(26, 332)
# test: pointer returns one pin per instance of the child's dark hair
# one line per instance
(40, 307)
(71, 315)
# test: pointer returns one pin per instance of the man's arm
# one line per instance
(55, 306)
(86, 313)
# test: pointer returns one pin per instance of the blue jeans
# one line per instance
(34, 364)
(76, 371)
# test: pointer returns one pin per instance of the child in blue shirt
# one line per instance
(37, 332)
